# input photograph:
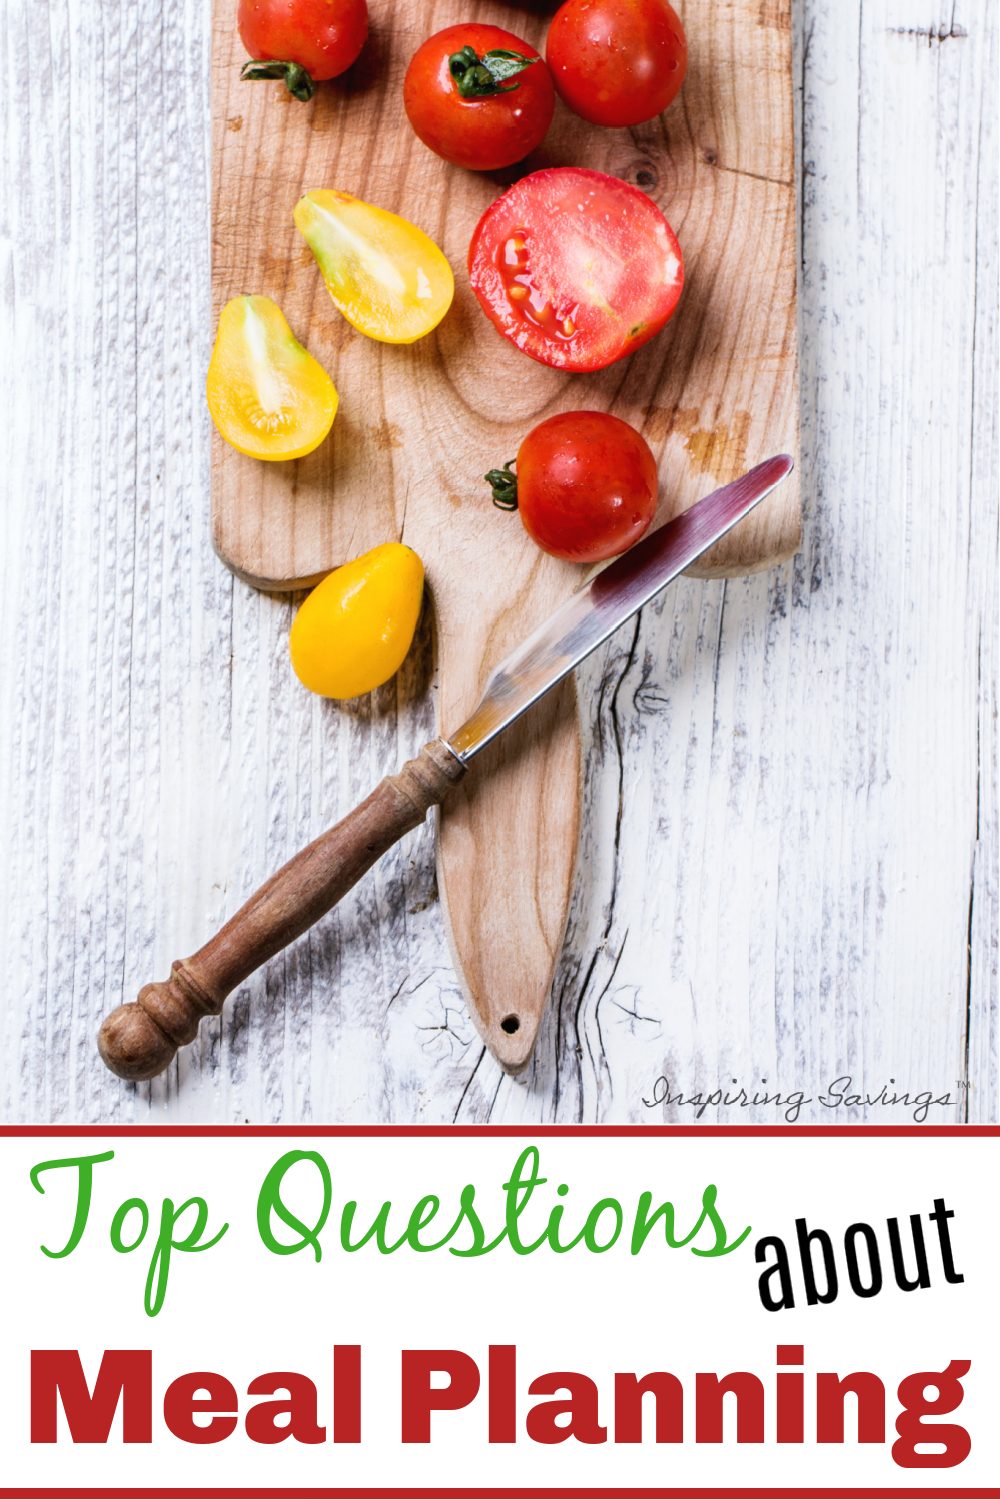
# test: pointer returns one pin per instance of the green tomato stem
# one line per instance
(483, 77)
(297, 80)
(503, 483)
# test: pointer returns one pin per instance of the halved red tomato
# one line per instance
(576, 268)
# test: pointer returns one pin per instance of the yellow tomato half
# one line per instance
(353, 631)
(267, 395)
(384, 274)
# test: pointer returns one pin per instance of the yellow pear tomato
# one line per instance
(384, 274)
(267, 395)
(353, 631)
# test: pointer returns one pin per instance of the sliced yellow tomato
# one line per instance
(384, 274)
(353, 631)
(268, 396)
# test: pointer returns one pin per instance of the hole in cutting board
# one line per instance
(510, 1024)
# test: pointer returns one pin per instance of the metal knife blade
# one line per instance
(610, 598)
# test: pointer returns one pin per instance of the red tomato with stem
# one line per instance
(586, 485)
(302, 42)
(617, 62)
(479, 96)
(575, 268)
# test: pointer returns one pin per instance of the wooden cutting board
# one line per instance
(716, 392)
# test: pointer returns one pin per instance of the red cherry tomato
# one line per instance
(479, 96)
(575, 268)
(586, 485)
(301, 41)
(617, 62)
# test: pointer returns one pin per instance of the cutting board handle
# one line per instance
(141, 1038)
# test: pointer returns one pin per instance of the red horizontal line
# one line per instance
(517, 1132)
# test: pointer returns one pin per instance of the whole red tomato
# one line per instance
(617, 62)
(479, 96)
(302, 42)
(586, 485)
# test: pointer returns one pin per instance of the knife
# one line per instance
(141, 1038)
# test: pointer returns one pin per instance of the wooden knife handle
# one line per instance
(140, 1039)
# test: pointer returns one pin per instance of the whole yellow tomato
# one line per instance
(353, 631)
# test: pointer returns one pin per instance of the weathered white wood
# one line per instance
(789, 868)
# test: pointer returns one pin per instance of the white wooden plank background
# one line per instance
(790, 847)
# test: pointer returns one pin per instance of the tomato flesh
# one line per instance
(586, 485)
(385, 275)
(267, 395)
(616, 62)
(577, 269)
(486, 133)
(322, 36)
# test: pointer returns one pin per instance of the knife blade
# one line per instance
(603, 604)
